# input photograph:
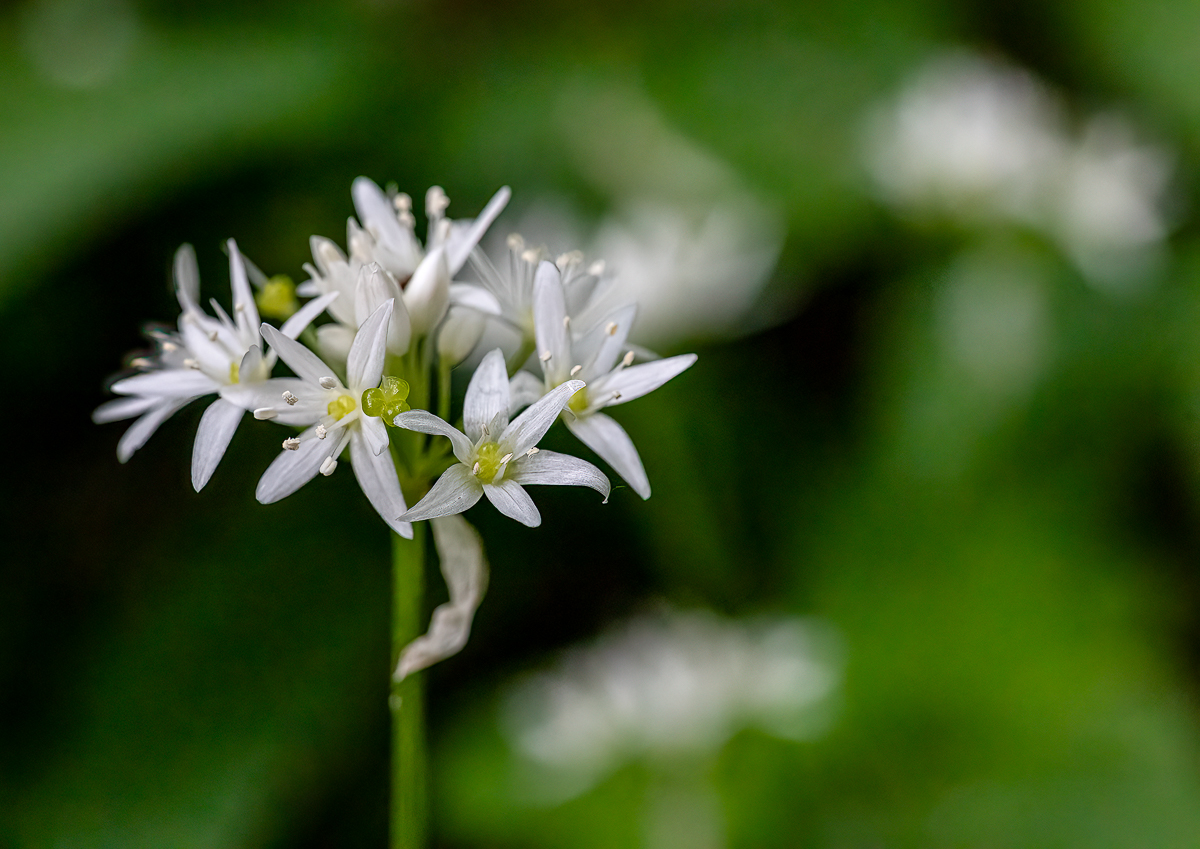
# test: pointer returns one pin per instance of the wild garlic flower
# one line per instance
(495, 456)
(203, 357)
(602, 359)
(333, 416)
(507, 292)
(418, 275)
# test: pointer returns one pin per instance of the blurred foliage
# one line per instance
(1012, 565)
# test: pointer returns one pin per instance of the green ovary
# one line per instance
(340, 406)
(233, 372)
(387, 401)
(487, 459)
(579, 401)
(277, 298)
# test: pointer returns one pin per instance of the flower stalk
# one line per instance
(408, 795)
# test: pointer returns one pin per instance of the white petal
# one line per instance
(251, 366)
(376, 474)
(167, 383)
(460, 245)
(455, 491)
(217, 425)
(427, 295)
(141, 430)
(375, 286)
(474, 297)
(424, 422)
(487, 396)
(460, 555)
(523, 390)
(554, 469)
(293, 469)
(636, 381)
(244, 308)
(376, 212)
(610, 345)
(187, 278)
(549, 325)
(309, 289)
(124, 408)
(334, 341)
(212, 355)
(375, 432)
(529, 427)
(579, 292)
(299, 359)
(304, 316)
(608, 439)
(269, 393)
(364, 363)
(513, 502)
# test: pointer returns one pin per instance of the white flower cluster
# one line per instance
(981, 140)
(399, 323)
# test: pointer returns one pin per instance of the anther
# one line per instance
(239, 307)
(616, 396)
(628, 359)
(596, 268)
(545, 357)
(402, 202)
(291, 443)
(264, 413)
(610, 328)
(191, 363)
(169, 346)
(576, 370)
(212, 337)
(515, 242)
(531, 452)
(140, 362)
(328, 466)
(289, 398)
(328, 382)
(436, 202)
(321, 431)
(566, 321)
(475, 468)
(531, 255)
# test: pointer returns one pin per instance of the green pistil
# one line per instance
(579, 401)
(388, 401)
(277, 298)
(487, 462)
(341, 406)
(233, 372)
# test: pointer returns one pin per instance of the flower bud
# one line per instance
(427, 294)
(459, 334)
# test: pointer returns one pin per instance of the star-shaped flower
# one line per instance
(333, 417)
(495, 456)
(205, 355)
(604, 362)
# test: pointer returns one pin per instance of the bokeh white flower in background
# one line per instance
(669, 687)
(980, 141)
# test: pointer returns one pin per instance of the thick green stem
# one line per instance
(409, 811)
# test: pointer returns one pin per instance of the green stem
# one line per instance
(409, 810)
(443, 389)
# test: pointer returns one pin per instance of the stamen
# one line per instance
(402, 202)
(515, 242)
(545, 357)
(531, 255)
(610, 328)
(169, 346)
(212, 337)
(265, 413)
(566, 321)
(627, 361)
(531, 452)
(321, 431)
(596, 268)
(615, 396)
(576, 370)
(289, 398)
(505, 458)
(436, 202)
(475, 468)
(140, 362)
(328, 466)
(239, 307)
(291, 443)
(328, 382)
(190, 363)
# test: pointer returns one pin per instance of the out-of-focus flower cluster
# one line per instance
(982, 141)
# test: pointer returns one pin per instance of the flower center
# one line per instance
(387, 401)
(233, 372)
(341, 406)
(579, 401)
(487, 462)
(277, 298)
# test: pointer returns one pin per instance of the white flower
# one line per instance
(333, 416)
(507, 291)
(495, 457)
(204, 356)
(602, 360)
(678, 683)
(418, 275)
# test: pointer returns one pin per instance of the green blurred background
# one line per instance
(999, 518)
